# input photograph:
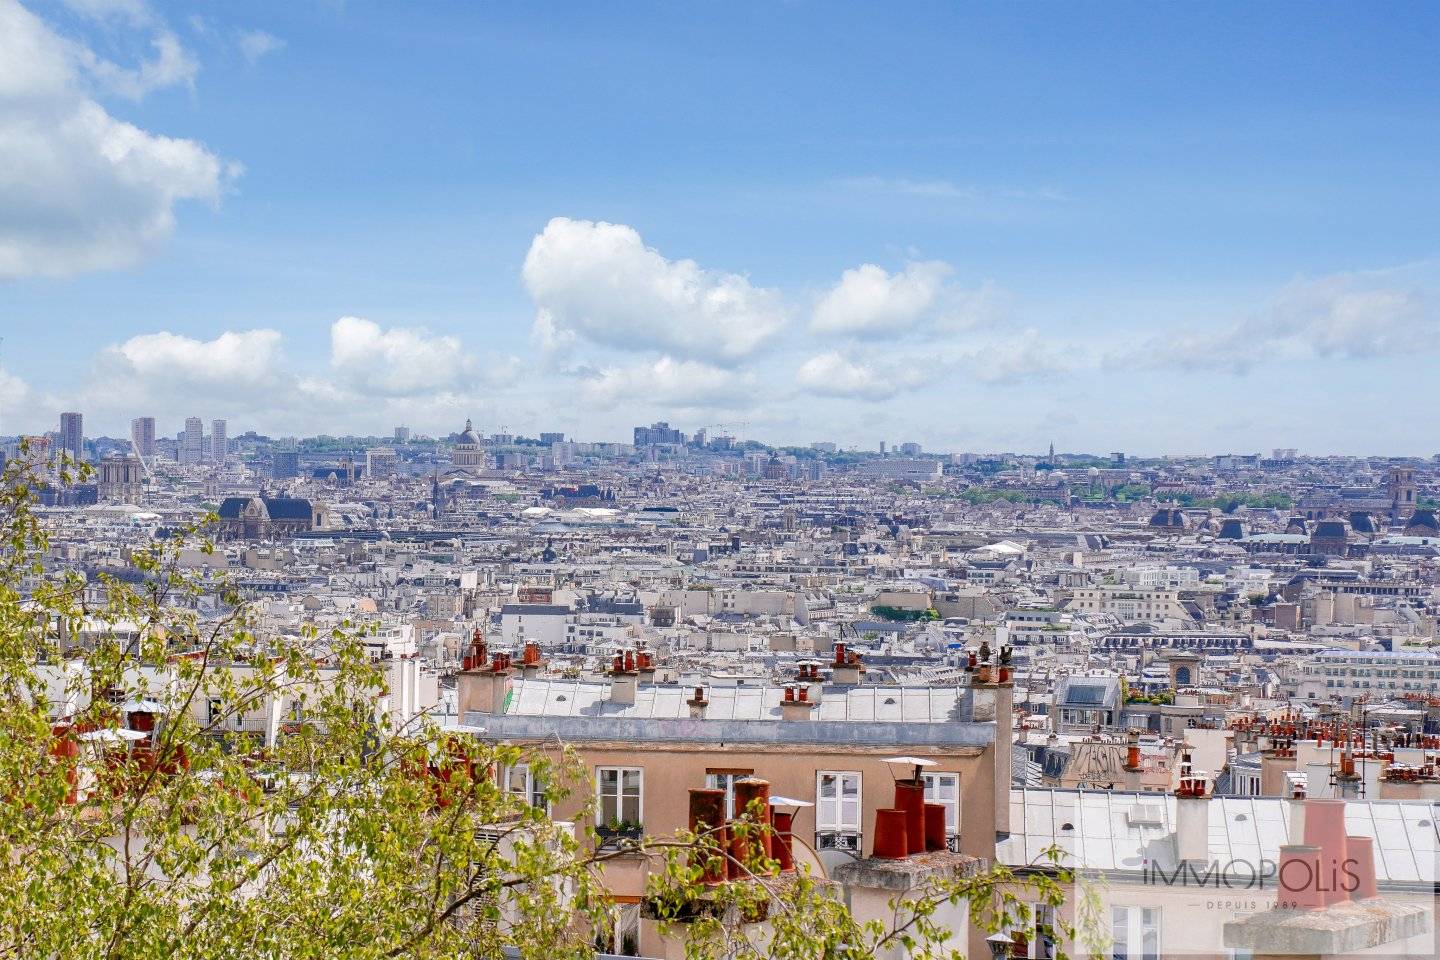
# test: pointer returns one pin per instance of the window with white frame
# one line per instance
(1135, 932)
(725, 780)
(944, 789)
(619, 790)
(213, 712)
(518, 780)
(837, 808)
(1038, 928)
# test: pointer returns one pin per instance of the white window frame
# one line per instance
(214, 711)
(1128, 927)
(1037, 945)
(530, 789)
(935, 782)
(726, 781)
(620, 795)
(830, 812)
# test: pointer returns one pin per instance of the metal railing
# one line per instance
(849, 840)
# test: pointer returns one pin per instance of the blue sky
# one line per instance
(1149, 227)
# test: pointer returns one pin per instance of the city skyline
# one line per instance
(979, 229)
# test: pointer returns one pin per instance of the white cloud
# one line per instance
(171, 65)
(1013, 358)
(868, 301)
(668, 382)
(136, 12)
(835, 375)
(400, 361)
(1019, 356)
(14, 393)
(1347, 316)
(79, 189)
(243, 359)
(254, 44)
(598, 281)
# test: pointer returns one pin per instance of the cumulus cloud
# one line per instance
(667, 381)
(1013, 358)
(1349, 316)
(254, 44)
(400, 361)
(79, 189)
(375, 377)
(833, 374)
(868, 301)
(14, 392)
(599, 282)
(243, 359)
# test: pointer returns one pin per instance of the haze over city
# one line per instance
(987, 228)
(684, 480)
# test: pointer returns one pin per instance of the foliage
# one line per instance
(334, 834)
(340, 838)
(901, 615)
(981, 495)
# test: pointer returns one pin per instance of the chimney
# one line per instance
(1299, 870)
(1192, 815)
(1296, 833)
(752, 800)
(846, 669)
(935, 838)
(475, 658)
(784, 823)
(1325, 828)
(1361, 853)
(795, 703)
(707, 813)
(531, 664)
(697, 704)
(1275, 759)
(890, 841)
(997, 702)
(910, 797)
(1132, 752)
(623, 678)
(483, 689)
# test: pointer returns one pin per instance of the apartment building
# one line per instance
(1338, 674)
(1134, 604)
(830, 743)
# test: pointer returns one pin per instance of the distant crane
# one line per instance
(135, 449)
(733, 426)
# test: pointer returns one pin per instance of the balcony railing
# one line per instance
(616, 836)
(848, 840)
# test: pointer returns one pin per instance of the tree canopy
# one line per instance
(141, 819)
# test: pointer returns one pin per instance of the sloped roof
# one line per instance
(1105, 834)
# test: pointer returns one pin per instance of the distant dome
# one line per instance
(468, 434)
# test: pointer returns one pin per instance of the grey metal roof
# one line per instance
(1107, 834)
(891, 715)
(568, 698)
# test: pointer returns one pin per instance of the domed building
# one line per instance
(468, 453)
